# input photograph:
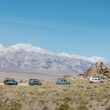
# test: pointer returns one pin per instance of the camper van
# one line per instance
(95, 80)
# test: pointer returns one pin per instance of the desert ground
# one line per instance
(79, 95)
(26, 76)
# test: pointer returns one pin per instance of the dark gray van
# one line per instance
(35, 82)
(10, 81)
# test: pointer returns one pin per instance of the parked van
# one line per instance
(62, 81)
(10, 81)
(95, 80)
(35, 82)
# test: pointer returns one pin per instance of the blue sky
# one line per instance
(73, 26)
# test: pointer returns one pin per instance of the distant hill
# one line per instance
(27, 58)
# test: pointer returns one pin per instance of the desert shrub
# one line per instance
(21, 81)
(105, 103)
(11, 105)
(90, 106)
(82, 107)
(108, 108)
(67, 99)
(45, 107)
(64, 106)
(88, 88)
(15, 105)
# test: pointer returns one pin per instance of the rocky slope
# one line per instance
(99, 70)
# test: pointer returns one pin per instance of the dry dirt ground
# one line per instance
(79, 95)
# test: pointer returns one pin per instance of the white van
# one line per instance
(95, 80)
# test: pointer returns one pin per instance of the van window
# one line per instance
(34, 81)
(65, 80)
(7, 80)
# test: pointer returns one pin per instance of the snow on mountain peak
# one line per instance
(31, 48)
(28, 48)
(1, 47)
(92, 59)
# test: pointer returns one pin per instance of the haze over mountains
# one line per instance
(26, 58)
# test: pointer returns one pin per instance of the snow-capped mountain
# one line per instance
(28, 58)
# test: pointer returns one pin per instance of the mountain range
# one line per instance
(26, 58)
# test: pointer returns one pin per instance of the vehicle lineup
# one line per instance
(59, 81)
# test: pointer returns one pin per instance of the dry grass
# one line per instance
(79, 95)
